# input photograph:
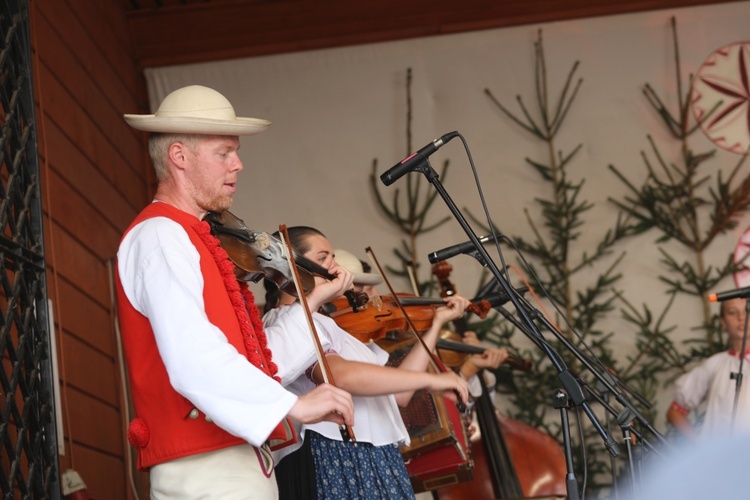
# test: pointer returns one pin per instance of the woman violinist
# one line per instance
(325, 464)
(467, 366)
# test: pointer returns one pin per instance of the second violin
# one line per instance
(382, 314)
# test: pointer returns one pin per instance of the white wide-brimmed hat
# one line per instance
(196, 109)
(351, 263)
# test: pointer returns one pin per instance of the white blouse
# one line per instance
(377, 419)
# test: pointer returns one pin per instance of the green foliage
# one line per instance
(689, 206)
(554, 250)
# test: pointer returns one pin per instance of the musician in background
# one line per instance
(490, 359)
(474, 364)
(364, 280)
(326, 465)
(710, 383)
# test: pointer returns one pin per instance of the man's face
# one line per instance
(733, 318)
(212, 174)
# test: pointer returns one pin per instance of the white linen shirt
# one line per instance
(377, 419)
(159, 269)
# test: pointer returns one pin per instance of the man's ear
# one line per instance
(177, 154)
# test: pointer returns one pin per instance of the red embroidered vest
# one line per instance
(164, 429)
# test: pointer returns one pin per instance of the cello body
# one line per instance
(537, 459)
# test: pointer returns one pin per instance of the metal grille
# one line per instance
(27, 425)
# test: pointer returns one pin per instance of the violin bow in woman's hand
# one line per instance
(347, 434)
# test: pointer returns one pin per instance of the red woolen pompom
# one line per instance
(138, 433)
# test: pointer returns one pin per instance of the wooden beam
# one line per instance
(207, 31)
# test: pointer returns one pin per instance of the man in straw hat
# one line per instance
(202, 378)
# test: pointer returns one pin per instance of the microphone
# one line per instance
(453, 250)
(412, 161)
(739, 293)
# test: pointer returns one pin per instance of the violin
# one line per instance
(256, 255)
(382, 314)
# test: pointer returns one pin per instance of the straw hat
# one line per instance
(351, 263)
(196, 110)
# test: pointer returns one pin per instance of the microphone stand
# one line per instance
(624, 418)
(737, 376)
(568, 382)
(614, 381)
(529, 328)
(606, 378)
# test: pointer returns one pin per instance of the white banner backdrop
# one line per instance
(335, 112)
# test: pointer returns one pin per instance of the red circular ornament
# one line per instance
(720, 97)
(742, 260)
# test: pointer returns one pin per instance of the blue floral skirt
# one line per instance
(361, 470)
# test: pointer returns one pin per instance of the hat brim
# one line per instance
(366, 279)
(190, 125)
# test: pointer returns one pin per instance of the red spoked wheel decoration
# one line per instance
(720, 97)
(742, 260)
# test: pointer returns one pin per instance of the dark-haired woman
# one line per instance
(373, 467)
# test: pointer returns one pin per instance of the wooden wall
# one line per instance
(95, 178)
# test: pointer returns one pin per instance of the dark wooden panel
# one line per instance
(110, 32)
(86, 179)
(93, 423)
(100, 133)
(90, 371)
(104, 475)
(82, 316)
(94, 47)
(95, 179)
(221, 29)
(62, 109)
(75, 262)
(82, 220)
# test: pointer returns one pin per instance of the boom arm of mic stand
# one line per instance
(605, 380)
(608, 380)
(587, 361)
(566, 379)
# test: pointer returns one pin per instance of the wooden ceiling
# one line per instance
(167, 32)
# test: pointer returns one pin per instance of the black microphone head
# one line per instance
(447, 137)
(386, 178)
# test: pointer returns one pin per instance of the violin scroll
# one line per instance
(257, 255)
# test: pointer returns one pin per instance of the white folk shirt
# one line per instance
(377, 419)
(710, 382)
(160, 273)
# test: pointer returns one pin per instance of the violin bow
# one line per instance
(347, 434)
(411, 271)
(437, 363)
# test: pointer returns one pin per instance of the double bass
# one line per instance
(512, 459)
